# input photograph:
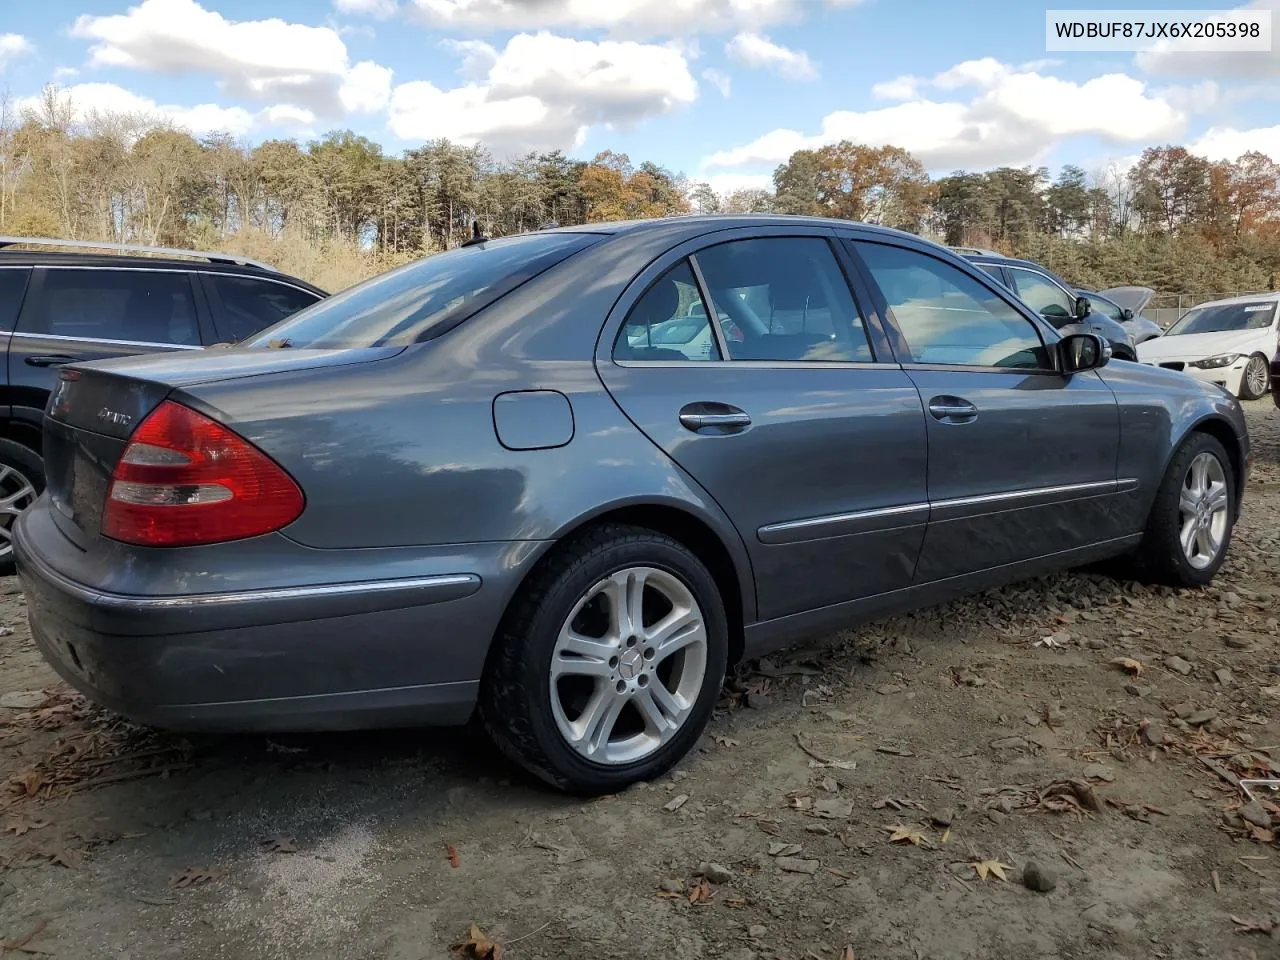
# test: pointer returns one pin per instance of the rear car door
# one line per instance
(91, 313)
(789, 410)
(1022, 459)
(244, 306)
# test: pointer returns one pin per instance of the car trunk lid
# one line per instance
(96, 407)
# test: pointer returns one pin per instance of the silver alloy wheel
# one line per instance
(1255, 377)
(628, 665)
(1202, 508)
(16, 494)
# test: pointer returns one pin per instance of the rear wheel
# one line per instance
(1191, 521)
(609, 664)
(1255, 381)
(21, 481)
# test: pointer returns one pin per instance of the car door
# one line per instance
(244, 306)
(91, 313)
(790, 413)
(1022, 459)
(13, 288)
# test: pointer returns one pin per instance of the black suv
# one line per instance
(1053, 298)
(58, 306)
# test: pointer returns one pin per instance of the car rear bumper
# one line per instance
(407, 651)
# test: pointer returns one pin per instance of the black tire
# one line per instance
(515, 696)
(30, 467)
(1160, 558)
(1246, 393)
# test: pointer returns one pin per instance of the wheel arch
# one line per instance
(27, 434)
(1222, 431)
(725, 558)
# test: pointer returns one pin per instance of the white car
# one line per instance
(1228, 342)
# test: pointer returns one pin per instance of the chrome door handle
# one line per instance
(698, 421)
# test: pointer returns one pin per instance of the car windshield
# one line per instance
(411, 303)
(1225, 318)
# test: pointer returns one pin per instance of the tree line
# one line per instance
(339, 208)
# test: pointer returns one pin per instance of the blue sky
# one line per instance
(721, 90)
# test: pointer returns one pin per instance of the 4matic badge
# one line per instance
(114, 416)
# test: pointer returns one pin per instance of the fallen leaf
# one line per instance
(194, 877)
(701, 892)
(452, 852)
(800, 803)
(847, 953)
(69, 858)
(1128, 665)
(1217, 883)
(1251, 926)
(21, 942)
(280, 845)
(901, 834)
(19, 827)
(724, 741)
(477, 946)
(985, 868)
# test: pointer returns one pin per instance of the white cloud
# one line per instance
(727, 183)
(89, 99)
(1227, 143)
(1197, 98)
(1013, 118)
(1190, 60)
(478, 57)
(543, 92)
(759, 52)
(899, 88)
(269, 60)
(380, 9)
(65, 73)
(13, 46)
(634, 18)
(721, 81)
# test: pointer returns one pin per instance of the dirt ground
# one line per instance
(960, 737)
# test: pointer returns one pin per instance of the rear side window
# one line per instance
(13, 284)
(250, 305)
(669, 322)
(144, 306)
(417, 301)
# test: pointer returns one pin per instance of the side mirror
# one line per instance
(1083, 351)
(1083, 307)
(1126, 314)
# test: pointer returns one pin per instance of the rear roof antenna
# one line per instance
(476, 235)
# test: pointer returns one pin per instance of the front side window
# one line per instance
(1107, 309)
(1043, 295)
(250, 305)
(784, 299)
(145, 306)
(416, 301)
(948, 317)
(13, 285)
(668, 322)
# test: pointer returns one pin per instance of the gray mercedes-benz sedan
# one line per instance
(568, 478)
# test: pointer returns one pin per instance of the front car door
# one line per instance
(1022, 459)
(789, 411)
(74, 313)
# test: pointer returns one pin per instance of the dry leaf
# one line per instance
(281, 845)
(901, 834)
(1128, 665)
(847, 953)
(985, 868)
(19, 827)
(724, 741)
(800, 803)
(477, 946)
(69, 858)
(701, 892)
(194, 877)
(452, 852)
(1251, 926)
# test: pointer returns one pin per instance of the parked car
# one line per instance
(469, 482)
(1228, 342)
(62, 304)
(1125, 305)
(1055, 300)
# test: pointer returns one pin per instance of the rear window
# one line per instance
(422, 299)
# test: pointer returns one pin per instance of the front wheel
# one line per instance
(1255, 381)
(1191, 521)
(610, 662)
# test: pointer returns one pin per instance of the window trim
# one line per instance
(36, 287)
(984, 279)
(876, 337)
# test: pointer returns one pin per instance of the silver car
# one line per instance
(479, 482)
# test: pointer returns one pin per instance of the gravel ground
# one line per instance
(875, 795)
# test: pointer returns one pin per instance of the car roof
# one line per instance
(40, 258)
(1001, 259)
(1269, 296)
(730, 220)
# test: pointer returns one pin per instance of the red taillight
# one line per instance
(185, 480)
